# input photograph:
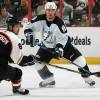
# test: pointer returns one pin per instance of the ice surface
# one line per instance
(69, 86)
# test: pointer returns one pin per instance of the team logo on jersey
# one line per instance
(46, 34)
(64, 29)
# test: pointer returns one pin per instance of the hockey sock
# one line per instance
(84, 71)
(45, 73)
(16, 84)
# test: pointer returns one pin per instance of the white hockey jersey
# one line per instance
(49, 33)
(15, 46)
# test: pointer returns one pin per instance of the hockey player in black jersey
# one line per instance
(11, 51)
(50, 34)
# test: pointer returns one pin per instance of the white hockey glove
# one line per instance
(58, 51)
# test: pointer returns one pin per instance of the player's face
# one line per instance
(50, 14)
(16, 29)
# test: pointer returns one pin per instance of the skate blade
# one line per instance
(48, 86)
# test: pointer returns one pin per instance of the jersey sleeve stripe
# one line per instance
(19, 60)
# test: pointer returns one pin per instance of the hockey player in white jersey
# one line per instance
(11, 51)
(54, 43)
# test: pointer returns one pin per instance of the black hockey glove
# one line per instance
(29, 37)
(27, 60)
(31, 60)
(59, 51)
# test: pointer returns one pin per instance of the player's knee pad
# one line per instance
(45, 73)
(80, 61)
(18, 74)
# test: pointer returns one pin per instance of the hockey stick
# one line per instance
(74, 71)
(59, 67)
(88, 72)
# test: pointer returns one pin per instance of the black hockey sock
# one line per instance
(84, 71)
(45, 73)
(16, 83)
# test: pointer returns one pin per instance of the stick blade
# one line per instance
(97, 74)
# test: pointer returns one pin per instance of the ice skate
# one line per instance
(48, 83)
(20, 91)
(89, 81)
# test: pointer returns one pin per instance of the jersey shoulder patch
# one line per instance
(59, 22)
(38, 18)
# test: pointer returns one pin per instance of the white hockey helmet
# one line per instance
(50, 5)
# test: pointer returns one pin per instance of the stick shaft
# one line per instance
(88, 72)
(65, 68)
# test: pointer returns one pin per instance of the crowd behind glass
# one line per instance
(75, 12)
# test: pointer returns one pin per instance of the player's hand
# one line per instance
(32, 60)
(28, 60)
(58, 52)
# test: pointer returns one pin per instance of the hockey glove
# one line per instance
(31, 60)
(29, 36)
(58, 51)
(27, 60)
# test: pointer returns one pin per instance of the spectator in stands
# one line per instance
(7, 3)
(14, 5)
(1, 2)
(36, 3)
(84, 20)
(4, 15)
(22, 10)
(96, 8)
(67, 12)
(96, 22)
(33, 13)
(40, 8)
(4, 2)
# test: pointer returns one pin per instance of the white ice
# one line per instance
(69, 86)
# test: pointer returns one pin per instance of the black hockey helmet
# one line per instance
(12, 21)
